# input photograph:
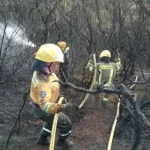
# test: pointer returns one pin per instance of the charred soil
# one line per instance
(91, 128)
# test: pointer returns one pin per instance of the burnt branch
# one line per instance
(18, 117)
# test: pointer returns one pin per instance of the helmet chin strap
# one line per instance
(47, 69)
(50, 67)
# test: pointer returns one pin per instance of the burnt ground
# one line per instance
(91, 128)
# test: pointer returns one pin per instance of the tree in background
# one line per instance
(88, 26)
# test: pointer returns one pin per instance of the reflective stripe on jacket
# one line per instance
(107, 72)
(45, 92)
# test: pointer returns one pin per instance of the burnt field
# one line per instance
(91, 129)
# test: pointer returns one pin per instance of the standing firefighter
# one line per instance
(89, 72)
(107, 71)
(44, 94)
(90, 64)
(64, 70)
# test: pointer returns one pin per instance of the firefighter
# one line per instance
(89, 72)
(107, 71)
(44, 94)
(64, 68)
(90, 64)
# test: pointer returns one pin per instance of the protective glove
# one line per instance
(70, 110)
(71, 107)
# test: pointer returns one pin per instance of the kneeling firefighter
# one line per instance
(45, 93)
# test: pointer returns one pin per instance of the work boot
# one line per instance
(64, 144)
(43, 140)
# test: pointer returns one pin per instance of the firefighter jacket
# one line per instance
(108, 71)
(44, 92)
(66, 58)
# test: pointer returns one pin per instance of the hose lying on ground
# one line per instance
(113, 127)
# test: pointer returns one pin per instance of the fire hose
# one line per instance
(113, 127)
(116, 117)
(54, 127)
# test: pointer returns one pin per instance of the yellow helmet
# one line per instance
(105, 53)
(50, 53)
(63, 45)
